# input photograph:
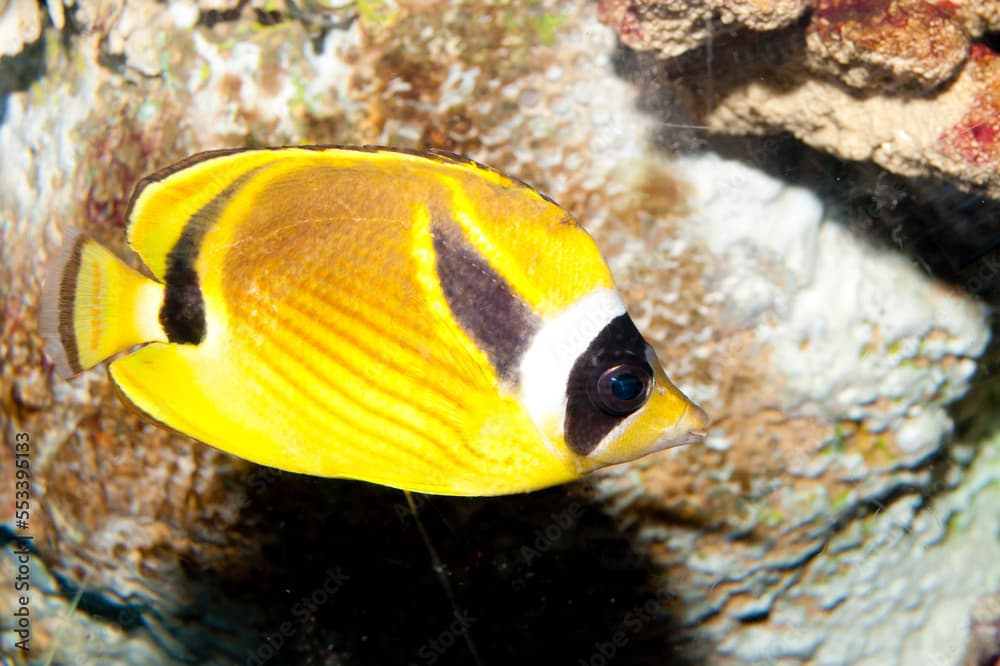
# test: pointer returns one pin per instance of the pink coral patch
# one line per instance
(981, 52)
(976, 138)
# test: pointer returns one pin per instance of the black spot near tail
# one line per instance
(182, 314)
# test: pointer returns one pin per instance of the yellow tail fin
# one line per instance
(95, 306)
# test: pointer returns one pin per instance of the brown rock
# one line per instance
(674, 27)
(869, 43)
(904, 83)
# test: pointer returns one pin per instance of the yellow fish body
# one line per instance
(415, 320)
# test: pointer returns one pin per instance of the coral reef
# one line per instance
(819, 523)
(908, 84)
(817, 462)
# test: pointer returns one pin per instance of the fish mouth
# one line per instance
(692, 424)
(669, 442)
(692, 437)
(689, 428)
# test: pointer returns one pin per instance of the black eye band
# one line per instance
(609, 381)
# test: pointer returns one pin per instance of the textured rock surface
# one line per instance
(984, 644)
(674, 27)
(858, 356)
(908, 84)
(882, 45)
(795, 535)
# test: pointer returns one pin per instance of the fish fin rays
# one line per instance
(95, 306)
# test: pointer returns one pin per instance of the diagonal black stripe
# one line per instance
(483, 304)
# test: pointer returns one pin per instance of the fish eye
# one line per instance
(623, 388)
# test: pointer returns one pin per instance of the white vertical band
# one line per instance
(546, 365)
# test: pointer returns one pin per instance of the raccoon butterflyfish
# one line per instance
(416, 320)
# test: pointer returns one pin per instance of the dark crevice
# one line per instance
(18, 72)
(991, 40)
(212, 17)
(266, 17)
(522, 567)
(947, 230)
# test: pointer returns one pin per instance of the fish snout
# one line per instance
(696, 421)
(690, 428)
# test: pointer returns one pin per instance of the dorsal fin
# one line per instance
(165, 201)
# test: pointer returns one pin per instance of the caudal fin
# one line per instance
(95, 306)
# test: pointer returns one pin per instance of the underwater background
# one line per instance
(798, 201)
